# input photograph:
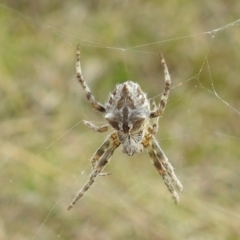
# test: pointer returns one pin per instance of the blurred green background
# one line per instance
(45, 149)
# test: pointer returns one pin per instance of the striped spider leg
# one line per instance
(99, 160)
(162, 165)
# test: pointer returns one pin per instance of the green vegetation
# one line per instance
(45, 149)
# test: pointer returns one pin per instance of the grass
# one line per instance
(45, 149)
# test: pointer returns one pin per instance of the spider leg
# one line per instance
(98, 106)
(103, 160)
(167, 165)
(98, 154)
(101, 164)
(100, 129)
(155, 120)
(163, 167)
(105, 145)
(159, 111)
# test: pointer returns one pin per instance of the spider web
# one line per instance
(46, 149)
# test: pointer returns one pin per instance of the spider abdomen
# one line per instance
(127, 106)
(127, 94)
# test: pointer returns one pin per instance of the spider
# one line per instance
(128, 112)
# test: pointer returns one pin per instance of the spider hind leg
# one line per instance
(163, 102)
(96, 105)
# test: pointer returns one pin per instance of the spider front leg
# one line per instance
(101, 164)
(105, 145)
(98, 154)
(98, 106)
(103, 160)
(167, 165)
(162, 165)
(163, 102)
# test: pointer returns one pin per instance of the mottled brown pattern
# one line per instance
(126, 99)
(128, 113)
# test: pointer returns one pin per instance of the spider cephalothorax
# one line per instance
(128, 112)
